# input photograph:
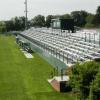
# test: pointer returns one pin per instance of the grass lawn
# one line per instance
(22, 78)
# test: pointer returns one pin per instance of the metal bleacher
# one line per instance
(67, 48)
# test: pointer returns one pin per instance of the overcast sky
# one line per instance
(12, 8)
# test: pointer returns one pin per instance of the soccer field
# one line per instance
(22, 78)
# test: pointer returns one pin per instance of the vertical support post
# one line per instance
(61, 32)
(62, 74)
(51, 50)
(85, 37)
(72, 59)
(94, 38)
(63, 56)
(67, 58)
(57, 70)
(46, 48)
(59, 54)
(66, 33)
(54, 72)
(89, 37)
(56, 53)
(99, 39)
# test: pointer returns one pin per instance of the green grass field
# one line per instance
(24, 79)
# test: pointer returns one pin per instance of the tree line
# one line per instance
(81, 19)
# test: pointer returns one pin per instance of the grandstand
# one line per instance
(67, 48)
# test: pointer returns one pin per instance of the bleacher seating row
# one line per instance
(68, 48)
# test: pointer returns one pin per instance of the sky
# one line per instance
(12, 8)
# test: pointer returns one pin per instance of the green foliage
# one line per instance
(19, 23)
(89, 18)
(95, 87)
(82, 76)
(48, 20)
(89, 21)
(79, 17)
(38, 21)
(2, 27)
(9, 25)
(96, 19)
(65, 16)
(15, 24)
(89, 25)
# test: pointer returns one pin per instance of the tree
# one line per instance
(2, 26)
(22, 22)
(15, 24)
(82, 76)
(79, 17)
(9, 25)
(65, 16)
(48, 20)
(89, 20)
(39, 21)
(96, 19)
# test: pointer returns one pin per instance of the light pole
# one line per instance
(26, 11)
